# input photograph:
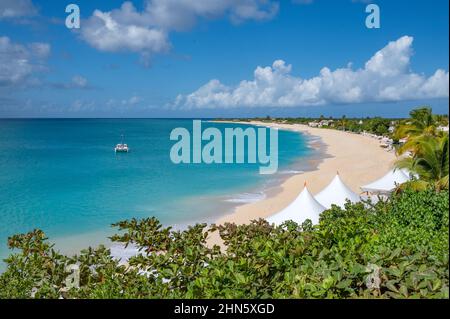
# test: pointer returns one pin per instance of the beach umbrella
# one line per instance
(302, 208)
(336, 193)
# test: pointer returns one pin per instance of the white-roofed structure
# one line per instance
(302, 208)
(408, 173)
(336, 193)
(387, 183)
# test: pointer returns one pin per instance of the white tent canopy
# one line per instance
(387, 183)
(302, 208)
(408, 173)
(336, 193)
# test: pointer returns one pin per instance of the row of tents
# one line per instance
(307, 206)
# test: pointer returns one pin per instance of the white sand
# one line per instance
(359, 160)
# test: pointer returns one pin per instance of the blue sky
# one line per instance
(222, 58)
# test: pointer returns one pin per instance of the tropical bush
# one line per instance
(422, 121)
(429, 161)
(428, 149)
(392, 249)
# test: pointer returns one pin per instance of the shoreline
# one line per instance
(332, 151)
(359, 160)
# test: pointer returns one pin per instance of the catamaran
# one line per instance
(121, 147)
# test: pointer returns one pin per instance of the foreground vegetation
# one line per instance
(393, 249)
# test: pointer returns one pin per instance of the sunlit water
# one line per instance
(63, 177)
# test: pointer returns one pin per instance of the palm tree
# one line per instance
(430, 162)
(441, 120)
(343, 122)
(422, 123)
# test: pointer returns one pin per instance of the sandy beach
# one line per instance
(359, 160)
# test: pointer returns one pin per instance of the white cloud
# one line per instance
(18, 63)
(79, 81)
(127, 102)
(123, 30)
(132, 100)
(146, 32)
(82, 105)
(181, 15)
(16, 9)
(40, 50)
(393, 59)
(386, 76)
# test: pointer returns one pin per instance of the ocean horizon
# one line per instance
(62, 176)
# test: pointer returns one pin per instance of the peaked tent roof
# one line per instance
(408, 173)
(336, 193)
(386, 184)
(302, 208)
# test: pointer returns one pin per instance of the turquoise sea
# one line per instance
(62, 176)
